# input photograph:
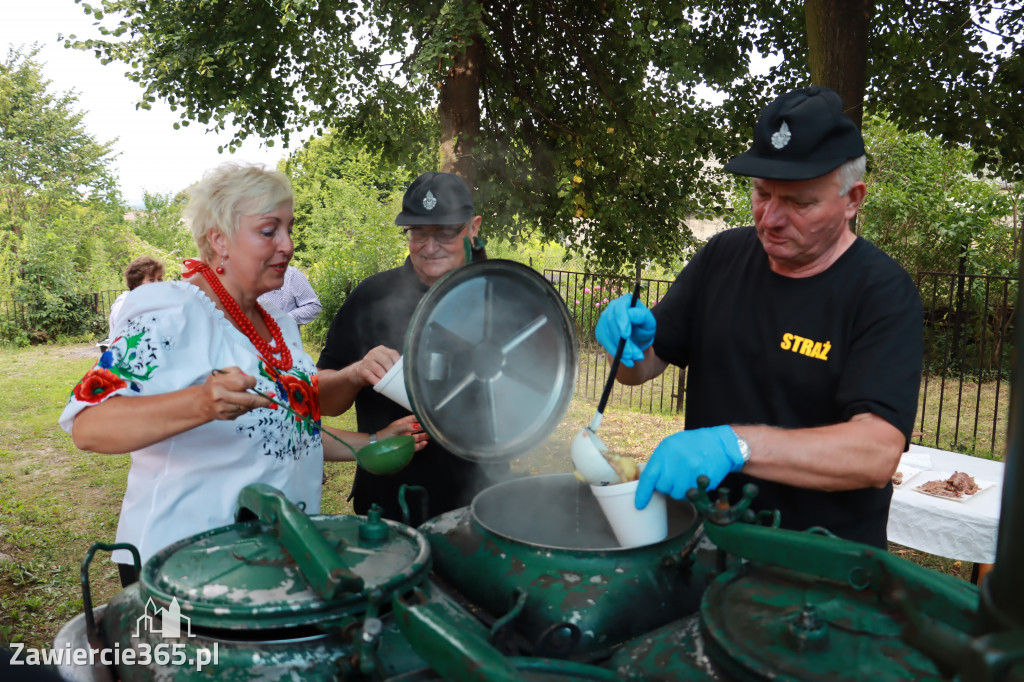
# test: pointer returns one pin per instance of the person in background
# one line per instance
(296, 297)
(803, 341)
(178, 387)
(437, 212)
(142, 270)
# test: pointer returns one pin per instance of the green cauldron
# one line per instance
(538, 555)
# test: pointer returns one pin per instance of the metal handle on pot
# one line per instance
(424, 507)
(92, 632)
(316, 560)
(453, 652)
(504, 621)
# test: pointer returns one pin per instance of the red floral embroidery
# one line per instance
(301, 397)
(97, 384)
(316, 398)
(269, 370)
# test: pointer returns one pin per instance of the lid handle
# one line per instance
(316, 560)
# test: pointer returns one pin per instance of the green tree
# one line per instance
(316, 167)
(927, 209)
(47, 159)
(581, 119)
(584, 121)
(346, 201)
(60, 210)
(159, 223)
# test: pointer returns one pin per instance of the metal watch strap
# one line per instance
(373, 439)
(743, 445)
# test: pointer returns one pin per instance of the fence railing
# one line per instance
(968, 339)
(29, 315)
(969, 328)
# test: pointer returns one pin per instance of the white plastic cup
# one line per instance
(392, 385)
(633, 527)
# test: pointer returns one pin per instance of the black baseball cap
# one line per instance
(436, 199)
(803, 134)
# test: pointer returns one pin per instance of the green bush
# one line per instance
(349, 236)
(49, 282)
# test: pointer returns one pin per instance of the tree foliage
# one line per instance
(159, 222)
(345, 206)
(587, 120)
(61, 217)
(47, 159)
(928, 210)
(591, 125)
(953, 69)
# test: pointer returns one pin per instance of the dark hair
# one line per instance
(141, 268)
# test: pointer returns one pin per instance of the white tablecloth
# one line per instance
(966, 531)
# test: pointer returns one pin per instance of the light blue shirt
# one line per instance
(295, 297)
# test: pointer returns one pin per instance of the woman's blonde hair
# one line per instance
(228, 192)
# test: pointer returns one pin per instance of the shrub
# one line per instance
(350, 235)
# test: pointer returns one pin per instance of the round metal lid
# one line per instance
(240, 577)
(775, 624)
(490, 360)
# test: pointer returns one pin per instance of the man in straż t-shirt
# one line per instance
(803, 341)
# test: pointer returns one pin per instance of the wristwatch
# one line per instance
(373, 439)
(744, 447)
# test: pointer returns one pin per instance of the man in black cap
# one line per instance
(368, 332)
(803, 341)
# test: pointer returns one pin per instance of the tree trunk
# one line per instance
(837, 48)
(459, 111)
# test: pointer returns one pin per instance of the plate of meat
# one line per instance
(958, 486)
(904, 472)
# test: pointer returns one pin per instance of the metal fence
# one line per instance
(968, 340)
(101, 301)
(969, 328)
(29, 315)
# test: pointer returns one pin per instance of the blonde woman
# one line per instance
(175, 389)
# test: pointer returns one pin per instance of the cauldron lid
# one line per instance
(490, 360)
(240, 577)
(784, 625)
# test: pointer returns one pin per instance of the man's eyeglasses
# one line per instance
(445, 234)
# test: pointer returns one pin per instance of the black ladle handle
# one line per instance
(618, 355)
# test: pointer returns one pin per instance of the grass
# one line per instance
(55, 501)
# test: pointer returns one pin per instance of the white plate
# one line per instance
(926, 476)
(908, 473)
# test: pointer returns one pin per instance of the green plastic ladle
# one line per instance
(385, 457)
(388, 456)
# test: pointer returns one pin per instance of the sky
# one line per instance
(152, 155)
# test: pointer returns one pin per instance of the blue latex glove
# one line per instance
(682, 457)
(619, 321)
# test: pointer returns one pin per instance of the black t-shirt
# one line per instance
(377, 313)
(762, 348)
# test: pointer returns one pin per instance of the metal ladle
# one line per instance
(587, 449)
(388, 456)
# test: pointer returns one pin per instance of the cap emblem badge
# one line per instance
(429, 201)
(781, 137)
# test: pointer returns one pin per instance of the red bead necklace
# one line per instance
(243, 322)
